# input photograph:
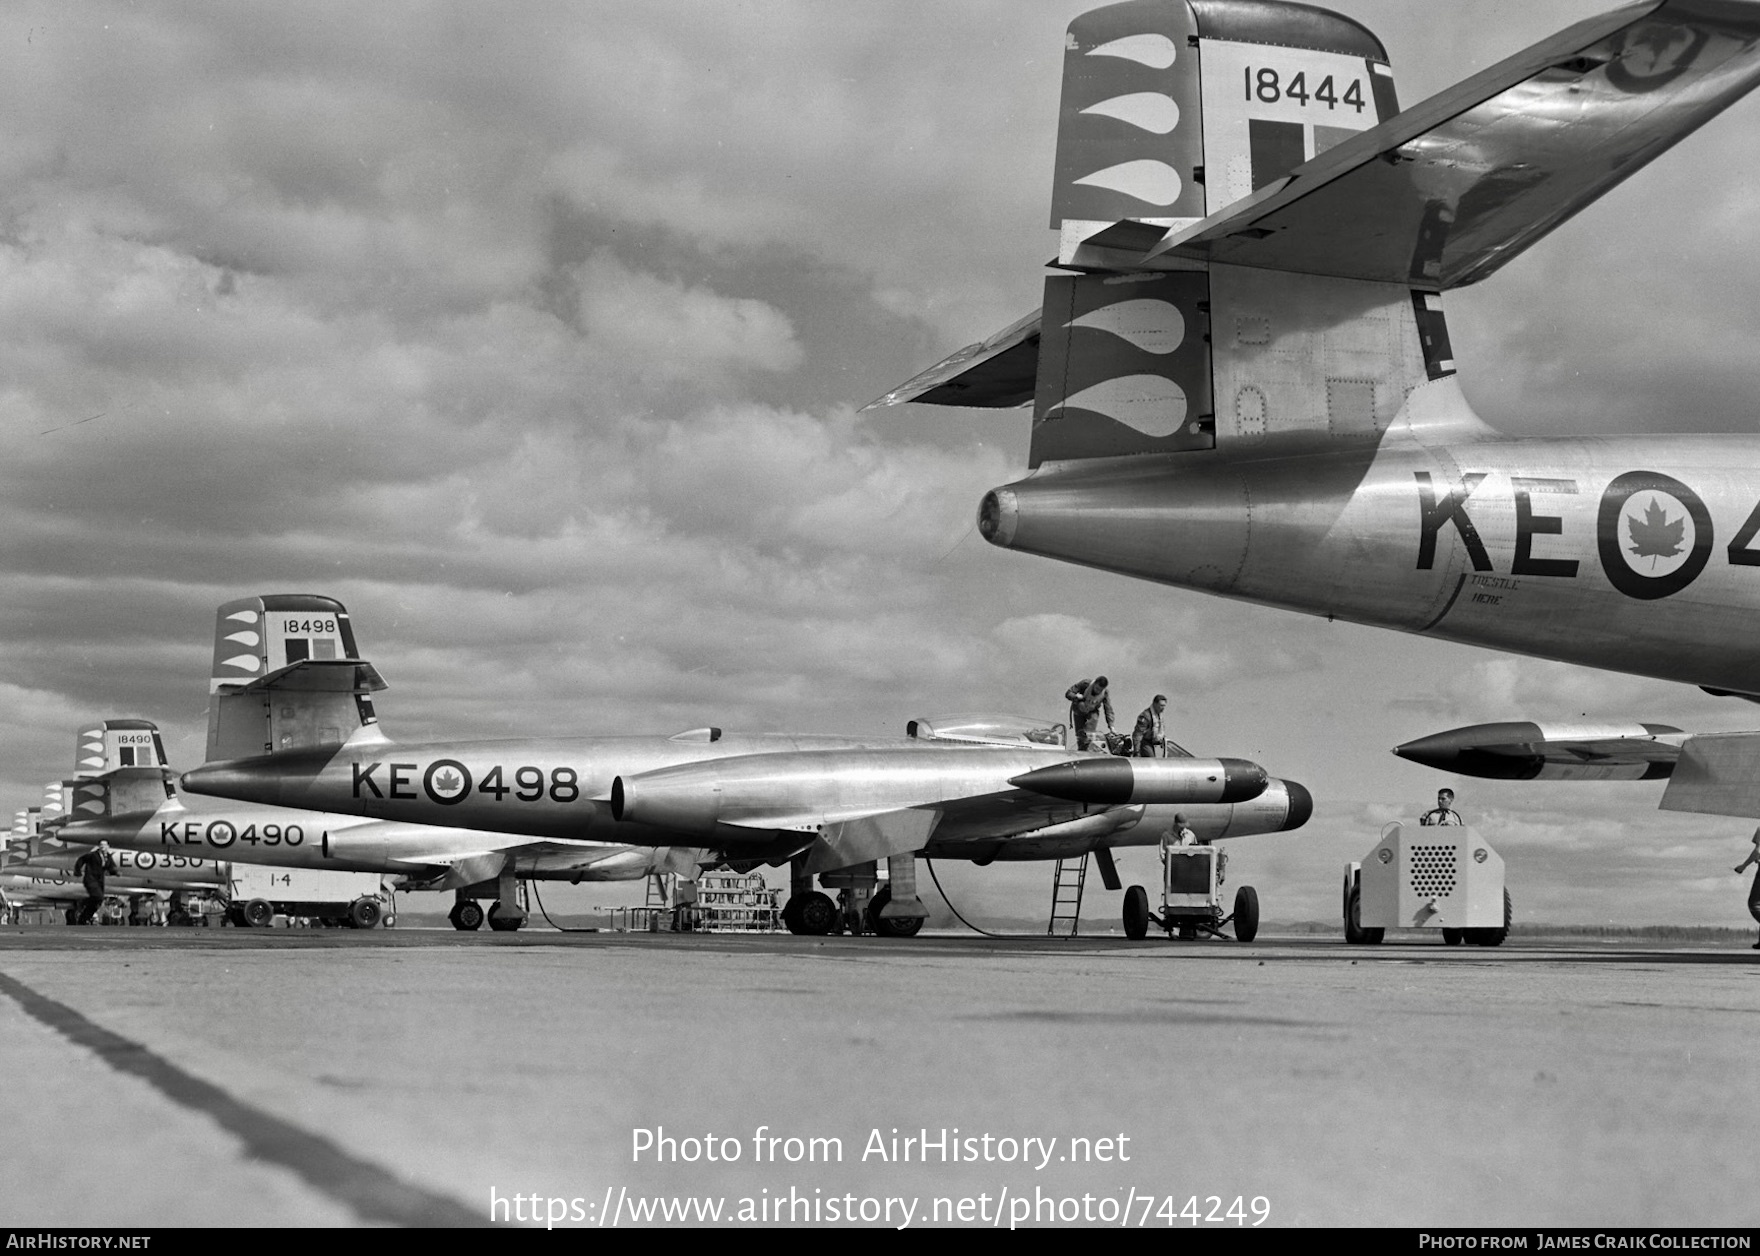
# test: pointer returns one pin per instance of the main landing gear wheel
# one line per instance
(1136, 913)
(258, 913)
(364, 913)
(897, 926)
(811, 914)
(467, 917)
(1246, 913)
(1453, 937)
(503, 923)
(1353, 921)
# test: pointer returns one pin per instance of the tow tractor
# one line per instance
(1191, 898)
(1444, 878)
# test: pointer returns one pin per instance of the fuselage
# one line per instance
(301, 838)
(1637, 554)
(563, 788)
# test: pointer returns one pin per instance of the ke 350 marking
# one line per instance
(449, 782)
(1653, 533)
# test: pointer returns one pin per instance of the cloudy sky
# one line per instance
(537, 335)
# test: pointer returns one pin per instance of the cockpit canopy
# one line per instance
(990, 730)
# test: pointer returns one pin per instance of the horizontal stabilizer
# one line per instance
(995, 374)
(1521, 750)
(1718, 774)
(315, 676)
(871, 837)
(1447, 192)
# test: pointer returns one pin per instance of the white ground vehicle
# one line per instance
(260, 893)
(1191, 898)
(1445, 877)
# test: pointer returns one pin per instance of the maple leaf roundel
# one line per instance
(447, 781)
(1653, 534)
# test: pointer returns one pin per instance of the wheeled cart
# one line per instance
(260, 893)
(1445, 877)
(1191, 898)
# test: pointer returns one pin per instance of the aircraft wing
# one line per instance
(1521, 750)
(1444, 194)
(994, 374)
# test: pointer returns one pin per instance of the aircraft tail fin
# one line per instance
(118, 767)
(287, 676)
(1171, 110)
(1258, 238)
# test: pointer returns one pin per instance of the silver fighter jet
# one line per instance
(1242, 380)
(291, 724)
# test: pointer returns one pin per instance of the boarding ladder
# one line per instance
(1067, 880)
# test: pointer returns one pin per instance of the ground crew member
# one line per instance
(1753, 894)
(1443, 812)
(1148, 737)
(91, 867)
(1088, 700)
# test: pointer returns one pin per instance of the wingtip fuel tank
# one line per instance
(1523, 750)
(1119, 781)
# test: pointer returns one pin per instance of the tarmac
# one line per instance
(419, 1076)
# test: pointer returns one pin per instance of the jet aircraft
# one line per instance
(292, 701)
(125, 795)
(1242, 381)
(37, 864)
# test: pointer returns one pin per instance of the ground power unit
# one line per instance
(1443, 877)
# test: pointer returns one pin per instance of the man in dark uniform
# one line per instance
(1149, 737)
(91, 867)
(1753, 894)
(1087, 701)
(1443, 812)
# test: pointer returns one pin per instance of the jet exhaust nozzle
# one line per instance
(998, 515)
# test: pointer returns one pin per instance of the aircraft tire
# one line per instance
(503, 924)
(467, 917)
(1354, 931)
(894, 927)
(791, 914)
(364, 913)
(1136, 913)
(1454, 937)
(1494, 937)
(258, 913)
(816, 913)
(1246, 914)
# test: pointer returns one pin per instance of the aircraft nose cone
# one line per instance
(1243, 780)
(1438, 750)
